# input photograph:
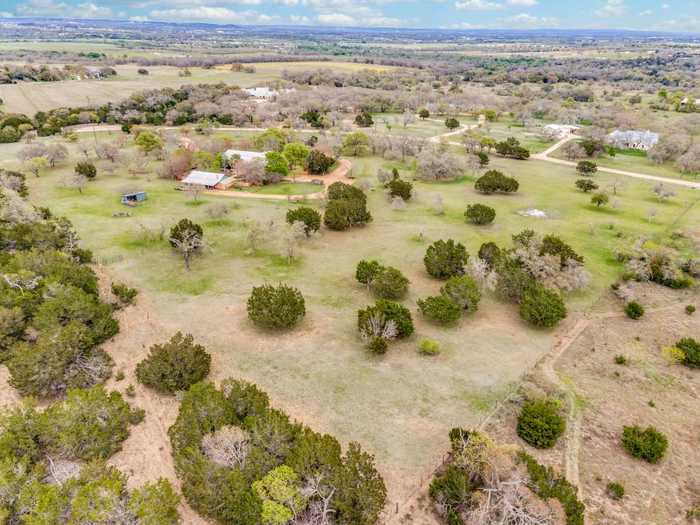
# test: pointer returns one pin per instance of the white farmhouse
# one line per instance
(559, 131)
(247, 156)
(631, 139)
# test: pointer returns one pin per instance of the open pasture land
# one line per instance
(320, 372)
(30, 97)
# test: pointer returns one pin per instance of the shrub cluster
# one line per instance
(318, 163)
(634, 310)
(398, 187)
(480, 214)
(494, 181)
(307, 216)
(276, 307)
(347, 207)
(124, 294)
(547, 484)
(373, 320)
(511, 148)
(386, 282)
(79, 434)
(440, 309)
(539, 423)
(54, 295)
(175, 365)
(445, 259)
(691, 352)
(242, 461)
(648, 444)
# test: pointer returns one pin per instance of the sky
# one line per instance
(673, 15)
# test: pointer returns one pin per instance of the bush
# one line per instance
(539, 423)
(272, 455)
(541, 307)
(691, 352)
(451, 123)
(445, 259)
(276, 307)
(621, 360)
(429, 347)
(615, 490)
(489, 252)
(511, 148)
(400, 188)
(347, 207)
(175, 365)
(308, 216)
(451, 489)
(634, 310)
(496, 182)
(90, 424)
(440, 309)
(586, 167)
(86, 169)
(366, 271)
(389, 311)
(464, 291)
(690, 309)
(600, 199)
(364, 119)
(648, 444)
(389, 283)
(123, 293)
(63, 357)
(480, 214)
(318, 163)
(586, 185)
(547, 484)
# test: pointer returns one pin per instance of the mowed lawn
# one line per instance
(401, 405)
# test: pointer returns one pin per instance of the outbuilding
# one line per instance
(206, 179)
(133, 198)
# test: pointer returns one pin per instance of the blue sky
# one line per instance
(673, 15)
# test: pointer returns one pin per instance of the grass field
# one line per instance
(30, 97)
(320, 372)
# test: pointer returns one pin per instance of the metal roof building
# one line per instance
(204, 178)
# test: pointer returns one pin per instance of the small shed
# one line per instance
(633, 139)
(131, 199)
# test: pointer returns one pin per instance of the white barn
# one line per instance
(631, 139)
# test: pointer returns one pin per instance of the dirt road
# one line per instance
(545, 157)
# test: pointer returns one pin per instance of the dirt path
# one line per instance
(544, 156)
(574, 417)
(339, 174)
(437, 138)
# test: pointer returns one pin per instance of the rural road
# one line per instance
(545, 157)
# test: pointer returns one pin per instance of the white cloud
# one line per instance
(523, 3)
(52, 8)
(337, 19)
(612, 8)
(646, 12)
(477, 5)
(529, 21)
(205, 14)
(665, 6)
(6, 14)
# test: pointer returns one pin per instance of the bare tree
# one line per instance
(188, 244)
